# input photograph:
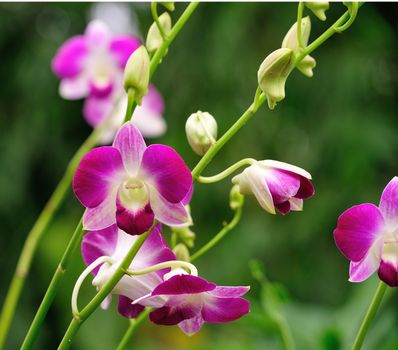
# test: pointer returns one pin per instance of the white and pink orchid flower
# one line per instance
(368, 236)
(276, 185)
(130, 184)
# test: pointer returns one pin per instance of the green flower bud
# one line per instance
(154, 39)
(185, 235)
(201, 130)
(236, 199)
(168, 5)
(136, 73)
(318, 8)
(273, 73)
(290, 41)
(181, 252)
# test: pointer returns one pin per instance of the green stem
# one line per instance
(226, 172)
(374, 305)
(130, 105)
(219, 236)
(300, 11)
(134, 323)
(36, 234)
(82, 316)
(52, 289)
(161, 51)
(154, 11)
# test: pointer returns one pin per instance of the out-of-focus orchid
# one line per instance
(148, 117)
(368, 236)
(189, 301)
(276, 185)
(131, 184)
(92, 64)
(115, 244)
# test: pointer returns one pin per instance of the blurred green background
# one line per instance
(341, 125)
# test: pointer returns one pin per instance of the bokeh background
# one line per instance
(341, 125)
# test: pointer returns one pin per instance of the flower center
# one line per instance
(133, 193)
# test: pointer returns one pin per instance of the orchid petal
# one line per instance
(191, 325)
(122, 47)
(74, 88)
(285, 166)
(183, 284)
(127, 309)
(163, 168)
(97, 34)
(131, 145)
(229, 292)
(225, 309)
(388, 270)
(389, 204)
(102, 216)
(362, 270)
(357, 229)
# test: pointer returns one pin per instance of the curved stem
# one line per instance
(353, 14)
(220, 235)
(374, 305)
(164, 265)
(81, 317)
(154, 11)
(160, 52)
(134, 323)
(34, 328)
(226, 172)
(300, 11)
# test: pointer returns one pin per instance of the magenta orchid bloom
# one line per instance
(148, 117)
(92, 64)
(368, 236)
(276, 185)
(115, 244)
(131, 184)
(189, 301)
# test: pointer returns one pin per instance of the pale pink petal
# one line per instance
(101, 216)
(74, 88)
(389, 204)
(192, 325)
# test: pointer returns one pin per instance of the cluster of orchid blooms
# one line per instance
(130, 189)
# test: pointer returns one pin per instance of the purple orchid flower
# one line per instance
(189, 301)
(115, 244)
(368, 236)
(276, 185)
(148, 117)
(131, 184)
(92, 64)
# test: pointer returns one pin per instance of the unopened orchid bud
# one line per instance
(273, 73)
(154, 39)
(290, 41)
(136, 73)
(201, 130)
(236, 199)
(318, 8)
(181, 252)
(168, 5)
(185, 235)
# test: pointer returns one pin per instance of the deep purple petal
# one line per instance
(97, 174)
(225, 309)
(99, 243)
(127, 309)
(191, 325)
(69, 59)
(134, 222)
(101, 90)
(167, 172)
(102, 216)
(357, 229)
(388, 271)
(389, 204)
(169, 316)
(306, 189)
(282, 184)
(283, 208)
(131, 145)
(122, 47)
(183, 284)
(229, 292)
(172, 214)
